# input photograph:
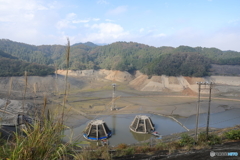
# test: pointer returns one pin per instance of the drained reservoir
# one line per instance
(119, 125)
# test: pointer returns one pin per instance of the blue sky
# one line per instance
(206, 23)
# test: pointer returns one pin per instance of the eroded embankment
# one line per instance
(223, 84)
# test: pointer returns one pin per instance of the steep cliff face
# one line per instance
(142, 82)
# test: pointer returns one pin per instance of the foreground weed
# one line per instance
(210, 140)
(42, 141)
(161, 146)
(5, 149)
(89, 154)
(186, 140)
(233, 134)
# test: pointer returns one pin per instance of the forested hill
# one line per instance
(12, 66)
(125, 56)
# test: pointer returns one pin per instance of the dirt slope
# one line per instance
(112, 75)
(224, 85)
(139, 81)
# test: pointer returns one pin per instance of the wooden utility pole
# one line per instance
(209, 103)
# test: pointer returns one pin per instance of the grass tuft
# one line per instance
(233, 134)
(41, 140)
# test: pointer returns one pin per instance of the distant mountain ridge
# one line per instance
(125, 56)
(90, 44)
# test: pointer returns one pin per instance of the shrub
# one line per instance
(214, 139)
(173, 146)
(210, 140)
(186, 140)
(129, 151)
(105, 153)
(161, 146)
(233, 134)
(202, 137)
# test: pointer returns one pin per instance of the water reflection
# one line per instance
(141, 137)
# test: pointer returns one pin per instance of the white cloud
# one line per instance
(160, 35)
(118, 10)
(86, 25)
(141, 30)
(102, 2)
(108, 28)
(67, 21)
(86, 20)
(105, 33)
(13, 5)
(70, 16)
(96, 19)
(20, 10)
(235, 21)
(109, 20)
(54, 5)
(64, 24)
(29, 16)
(81, 21)
(150, 31)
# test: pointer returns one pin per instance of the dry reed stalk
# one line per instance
(9, 93)
(44, 104)
(66, 76)
(7, 101)
(68, 90)
(10, 87)
(48, 115)
(56, 87)
(35, 88)
(56, 70)
(69, 85)
(56, 77)
(25, 89)
(5, 112)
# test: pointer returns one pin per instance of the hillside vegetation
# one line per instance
(125, 56)
(12, 66)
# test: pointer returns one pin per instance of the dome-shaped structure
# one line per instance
(97, 130)
(142, 124)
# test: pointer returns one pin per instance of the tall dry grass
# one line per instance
(66, 77)
(42, 139)
(25, 89)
